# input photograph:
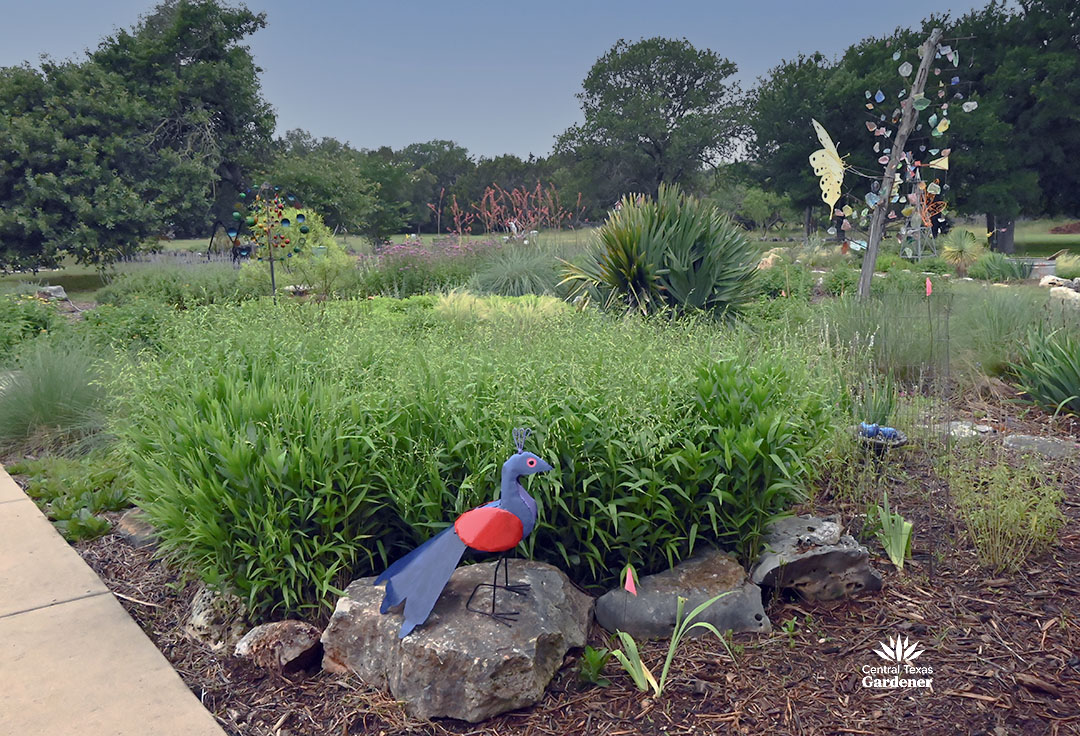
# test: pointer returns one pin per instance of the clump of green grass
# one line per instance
(1010, 511)
(1049, 370)
(53, 400)
(1068, 267)
(999, 268)
(518, 271)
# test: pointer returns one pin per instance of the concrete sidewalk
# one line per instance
(72, 662)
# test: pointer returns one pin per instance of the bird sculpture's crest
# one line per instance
(520, 435)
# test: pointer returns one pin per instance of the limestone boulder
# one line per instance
(459, 663)
(218, 619)
(281, 646)
(815, 559)
(651, 613)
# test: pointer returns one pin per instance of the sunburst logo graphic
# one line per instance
(898, 650)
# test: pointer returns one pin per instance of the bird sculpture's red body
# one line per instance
(489, 529)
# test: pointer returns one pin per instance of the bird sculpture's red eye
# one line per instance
(531, 462)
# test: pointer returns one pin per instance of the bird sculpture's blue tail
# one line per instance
(419, 577)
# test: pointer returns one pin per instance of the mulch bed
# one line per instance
(1005, 650)
(1070, 228)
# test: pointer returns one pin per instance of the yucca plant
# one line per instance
(1049, 370)
(961, 249)
(673, 251)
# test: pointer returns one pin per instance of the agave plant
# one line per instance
(673, 251)
(961, 250)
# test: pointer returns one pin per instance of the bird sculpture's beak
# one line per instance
(542, 467)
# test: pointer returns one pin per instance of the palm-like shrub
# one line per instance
(674, 251)
(961, 250)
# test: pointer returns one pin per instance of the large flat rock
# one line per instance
(462, 664)
(651, 613)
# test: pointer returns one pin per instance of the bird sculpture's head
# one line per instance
(523, 463)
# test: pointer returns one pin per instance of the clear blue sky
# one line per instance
(497, 77)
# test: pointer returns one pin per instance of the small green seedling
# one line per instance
(631, 659)
(591, 666)
(894, 534)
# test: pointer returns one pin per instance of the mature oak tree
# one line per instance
(661, 107)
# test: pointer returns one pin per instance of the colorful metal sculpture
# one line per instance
(418, 578)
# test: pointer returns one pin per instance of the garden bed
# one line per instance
(1005, 649)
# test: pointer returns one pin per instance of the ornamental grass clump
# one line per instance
(286, 450)
(672, 252)
(1049, 370)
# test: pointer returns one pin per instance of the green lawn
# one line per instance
(1034, 239)
(80, 282)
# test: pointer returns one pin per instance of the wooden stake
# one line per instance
(907, 124)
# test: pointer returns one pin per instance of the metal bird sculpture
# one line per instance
(419, 577)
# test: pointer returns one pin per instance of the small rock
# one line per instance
(52, 292)
(462, 664)
(217, 619)
(1053, 281)
(134, 529)
(810, 556)
(1049, 447)
(651, 613)
(282, 646)
(961, 430)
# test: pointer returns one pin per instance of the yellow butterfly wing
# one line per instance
(828, 165)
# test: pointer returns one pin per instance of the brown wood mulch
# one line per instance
(1005, 650)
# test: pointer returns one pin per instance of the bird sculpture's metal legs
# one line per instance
(503, 617)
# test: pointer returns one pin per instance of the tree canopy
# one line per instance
(659, 109)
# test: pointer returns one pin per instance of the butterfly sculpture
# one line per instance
(829, 166)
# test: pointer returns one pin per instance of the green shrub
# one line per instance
(998, 267)
(24, 317)
(1068, 267)
(73, 492)
(961, 250)
(1049, 370)
(53, 399)
(182, 287)
(138, 324)
(517, 271)
(887, 262)
(288, 449)
(934, 264)
(785, 280)
(1009, 512)
(674, 252)
(841, 281)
